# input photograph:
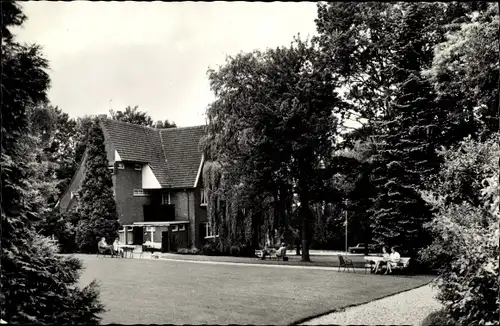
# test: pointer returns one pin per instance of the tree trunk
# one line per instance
(305, 239)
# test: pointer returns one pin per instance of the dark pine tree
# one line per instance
(97, 206)
(37, 285)
(407, 156)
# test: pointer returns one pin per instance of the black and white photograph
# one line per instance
(250, 163)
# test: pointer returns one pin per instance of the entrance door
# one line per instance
(138, 235)
(165, 243)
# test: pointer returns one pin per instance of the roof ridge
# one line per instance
(129, 123)
(180, 128)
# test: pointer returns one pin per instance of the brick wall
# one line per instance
(129, 207)
(184, 201)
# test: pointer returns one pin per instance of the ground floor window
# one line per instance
(209, 232)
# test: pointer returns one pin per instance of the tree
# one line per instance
(37, 285)
(165, 124)
(466, 232)
(132, 115)
(97, 206)
(362, 40)
(466, 66)
(272, 127)
(379, 50)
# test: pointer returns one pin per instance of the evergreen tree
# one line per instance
(37, 285)
(408, 155)
(97, 206)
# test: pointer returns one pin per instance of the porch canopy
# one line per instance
(143, 224)
(128, 236)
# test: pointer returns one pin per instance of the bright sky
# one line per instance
(152, 54)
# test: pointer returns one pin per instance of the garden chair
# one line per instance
(346, 263)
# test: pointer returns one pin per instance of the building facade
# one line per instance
(158, 184)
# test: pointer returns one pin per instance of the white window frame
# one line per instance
(138, 167)
(141, 193)
(209, 231)
(175, 228)
(121, 166)
(163, 198)
(112, 168)
(182, 227)
(203, 198)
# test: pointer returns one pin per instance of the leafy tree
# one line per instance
(271, 129)
(379, 51)
(164, 124)
(97, 206)
(37, 285)
(466, 232)
(466, 66)
(132, 115)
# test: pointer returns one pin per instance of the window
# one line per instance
(137, 167)
(209, 233)
(121, 166)
(150, 228)
(165, 198)
(175, 228)
(140, 193)
(182, 227)
(204, 200)
(111, 167)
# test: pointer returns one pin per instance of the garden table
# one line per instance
(127, 248)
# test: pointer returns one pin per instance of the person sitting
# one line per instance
(103, 247)
(117, 249)
(281, 251)
(394, 259)
(381, 263)
(266, 251)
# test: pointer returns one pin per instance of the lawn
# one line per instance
(144, 291)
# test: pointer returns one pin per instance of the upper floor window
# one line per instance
(165, 198)
(137, 167)
(204, 199)
(121, 166)
(140, 193)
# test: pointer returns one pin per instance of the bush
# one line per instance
(436, 318)
(187, 251)
(234, 251)
(466, 233)
(210, 249)
(39, 286)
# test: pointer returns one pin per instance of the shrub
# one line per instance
(234, 251)
(187, 251)
(466, 233)
(39, 286)
(438, 317)
(210, 249)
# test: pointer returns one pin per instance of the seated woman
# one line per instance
(116, 248)
(381, 263)
(281, 251)
(394, 259)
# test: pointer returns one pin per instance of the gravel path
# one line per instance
(407, 308)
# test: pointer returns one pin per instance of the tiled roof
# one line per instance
(173, 154)
(181, 148)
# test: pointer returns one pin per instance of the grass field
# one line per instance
(147, 291)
